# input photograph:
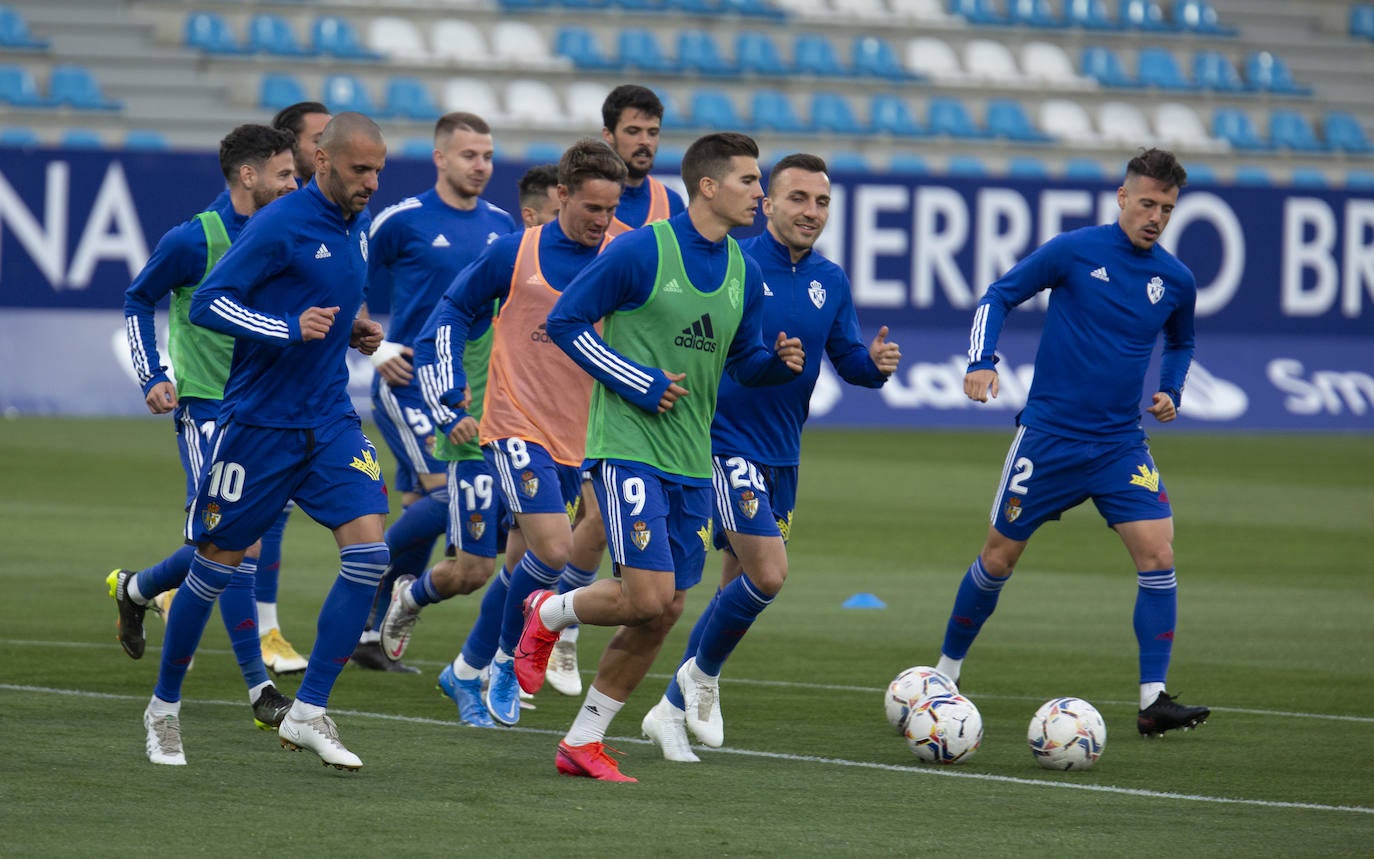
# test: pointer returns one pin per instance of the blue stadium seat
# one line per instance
(890, 114)
(1088, 14)
(14, 33)
(75, 87)
(19, 87)
(977, 12)
(145, 140)
(875, 57)
(1264, 71)
(1236, 127)
(1158, 68)
(910, 164)
(1006, 119)
(692, 7)
(1197, 16)
(638, 49)
(81, 138)
(848, 161)
(1249, 174)
(1033, 13)
(279, 90)
(543, 152)
(525, 5)
(965, 165)
(1201, 174)
(830, 111)
(1102, 65)
(579, 45)
(418, 147)
(1362, 20)
(757, 53)
(17, 136)
(334, 36)
(761, 9)
(814, 54)
(949, 116)
(1213, 70)
(1145, 15)
(673, 119)
(1289, 129)
(772, 111)
(211, 33)
(1307, 177)
(1343, 131)
(1362, 180)
(1084, 169)
(270, 34)
(410, 98)
(713, 110)
(1025, 167)
(697, 52)
(346, 92)
(582, 5)
(669, 158)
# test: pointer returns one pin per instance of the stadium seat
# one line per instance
(534, 103)
(949, 116)
(543, 152)
(1343, 131)
(638, 50)
(1033, 13)
(525, 6)
(871, 10)
(472, 95)
(270, 34)
(1289, 129)
(673, 118)
(890, 114)
(814, 54)
(697, 52)
(965, 165)
(459, 42)
(1250, 174)
(1197, 16)
(1361, 180)
(1145, 15)
(1046, 63)
(978, 12)
(1118, 122)
(518, 44)
(874, 57)
(336, 37)
(1264, 71)
(1084, 169)
(990, 61)
(584, 5)
(19, 87)
(669, 159)
(813, 9)
(1200, 174)
(1213, 70)
(396, 38)
(1068, 122)
(410, 98)
(81, 138)
(830, 111)
(579, 45)
(929, 57)
(420, 148)
(17, 136)
(1362, 20)
(279, 90)
(905, 163)
(347, 92)
(1088, 14)
(930, 11)
(714, 110)
(847, 161)
(1158, 68)
(757, 53)
(75, 87)
(1006, 119)
(1177, 124)
(1026, 167)
(583, 104)
(14, 32)
(772, 110)
(753, 9)
(1236, 127)
(210, 33)
(145, 140)
(1102, 64)
(1302, 176)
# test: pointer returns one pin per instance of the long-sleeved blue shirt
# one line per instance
(178, 260)
(417, 246)
(633, 208)
(811, 300)
(1109, 301)
(299, 252)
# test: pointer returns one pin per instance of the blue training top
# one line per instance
(1109, 300)
(297, 253)
(633, 208)
(810, 300)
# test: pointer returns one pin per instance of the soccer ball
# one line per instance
(1067, 734)
(907, 690)
(944, 729)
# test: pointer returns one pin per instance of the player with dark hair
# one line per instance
(632, 118)
(306, 121)
(1113, 290)
(256, 163)
(417, 247)
(755, 473)
(287, 429)
(679, 303)
(539, 195)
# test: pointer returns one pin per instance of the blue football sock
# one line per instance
(186, 623)
(341, 618)
(1156, 612)
(529, 575)
(166, 574)
(740, 602)
(674, 692)
(238, 606)
(424, 593)
(410, 540)
(973, 605)
(269, 559)
(481, 644)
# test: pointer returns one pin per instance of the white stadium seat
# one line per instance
(474, 96)
(990, 61)
(459, 42)
(396, 38)
(1068, 121)
(921, 10)
(534, 103)
(584, 106)
(934, 59)
(1179, 125)
(1119, 122)
(519, 45)
(867, 9)
(1043, 62)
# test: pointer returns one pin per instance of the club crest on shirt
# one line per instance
(1155, 289)
(211, 516)
(362, 244)
(1012, 511)
(529, 484)
(748, 503)
(734, 290)
(640, 534)
(1146, 477)
(477, 526)
(817, 293)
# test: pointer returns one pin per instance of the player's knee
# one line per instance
(650, 608)
(770, 578)
(1159, 557)
(473, 572)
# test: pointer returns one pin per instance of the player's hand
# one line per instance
(366, 335)
(316, 321)
(162, 398)
(790, 350)
(884, 354)
(673, 392)
(467, 398)
(393, 364)
(464, 431)
(981, 385)
(1162, 407)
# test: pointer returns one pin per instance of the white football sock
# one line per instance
(303, 712)
(267, 617)
(132, 592)
(949, 667)
(557, 611)
(593, 719)
(256, 692)
(463, 671)
(160, 708)
(1149, 692)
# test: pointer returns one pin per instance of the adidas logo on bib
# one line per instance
(699, 335)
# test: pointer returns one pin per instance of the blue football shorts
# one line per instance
(477, 513)
(652, 523)
(752, 498)
(408, 429)
(193, 446)
(1047, 474)
(530, 479)
(332, 473)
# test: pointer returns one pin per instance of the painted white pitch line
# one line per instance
(747, 681)
(945, 772)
